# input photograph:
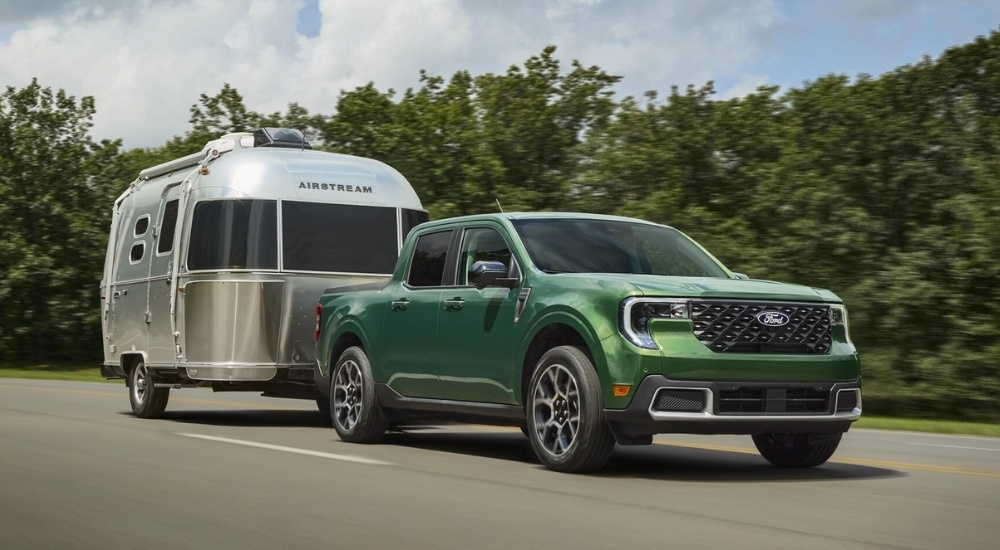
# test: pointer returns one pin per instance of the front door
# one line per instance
(475, 327)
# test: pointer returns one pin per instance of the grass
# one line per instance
(92, 373)
(930, 426)
(76, 373)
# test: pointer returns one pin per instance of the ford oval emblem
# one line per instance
(772, 319)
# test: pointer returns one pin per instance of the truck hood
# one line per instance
(712, 287)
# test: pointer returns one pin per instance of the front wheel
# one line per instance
(796, 450)
(147, 400)
(355, 411)
(565, 413)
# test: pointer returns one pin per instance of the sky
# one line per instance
(147, 62)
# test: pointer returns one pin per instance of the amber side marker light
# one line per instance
(620, 390)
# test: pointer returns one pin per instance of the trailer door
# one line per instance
(161, 338)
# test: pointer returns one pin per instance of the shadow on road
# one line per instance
(246, 417)
(658, 461)
(662, 462)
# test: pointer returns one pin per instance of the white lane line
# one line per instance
(955, 447)
(307, 452)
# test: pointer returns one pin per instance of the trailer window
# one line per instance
(167, 225)
(234, 234)
(141, 226)
(411, 219)
(136, 252)
(340, 238)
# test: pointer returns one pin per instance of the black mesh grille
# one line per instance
(680, 400)
(847, 401)
(774, 400)
(736, 327)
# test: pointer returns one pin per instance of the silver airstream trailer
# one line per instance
(216, 260)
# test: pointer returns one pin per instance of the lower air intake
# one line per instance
(680, 400)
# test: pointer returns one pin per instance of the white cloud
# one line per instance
(146, 62)
(147, 66)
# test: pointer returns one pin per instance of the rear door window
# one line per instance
(429, 257)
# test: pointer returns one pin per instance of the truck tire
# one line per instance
(354, 409)
(147, 401)
(796, 450)
(565, 413)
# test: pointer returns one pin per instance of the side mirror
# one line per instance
(741, 276)
(489, 273)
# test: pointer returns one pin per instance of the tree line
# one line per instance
(884, 189)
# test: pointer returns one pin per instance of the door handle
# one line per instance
(116, 295)
(400, 305)
(454, 304)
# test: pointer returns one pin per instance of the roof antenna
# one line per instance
(498, 205)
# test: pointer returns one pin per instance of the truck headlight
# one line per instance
(636, 313)
(838, 316)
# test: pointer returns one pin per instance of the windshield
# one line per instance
(604, 246)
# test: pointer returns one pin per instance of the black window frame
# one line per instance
(446, 274)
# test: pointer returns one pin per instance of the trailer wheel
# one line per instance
(356, 414)
(147, 401)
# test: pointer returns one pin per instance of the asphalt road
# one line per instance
(233, 470)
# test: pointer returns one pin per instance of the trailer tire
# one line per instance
(354, 408)
(147, 401)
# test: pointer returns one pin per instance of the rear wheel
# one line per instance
(147, 400)
(355, 411)
(566, 413)
(796, 450)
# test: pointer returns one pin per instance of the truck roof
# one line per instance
(512, 216)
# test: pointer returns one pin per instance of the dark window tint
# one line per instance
(607, 246)
(167, 226)
(482, 244)
(135, 255)
(338, 237)
(234, 234)
(427, 266)
(411, 219)
(141, 226)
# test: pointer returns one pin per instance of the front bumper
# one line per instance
(661, 405)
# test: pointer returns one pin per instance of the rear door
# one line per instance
(408, 362)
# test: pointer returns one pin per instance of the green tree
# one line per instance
(55, 190)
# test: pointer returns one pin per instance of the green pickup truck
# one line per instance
(586, 331)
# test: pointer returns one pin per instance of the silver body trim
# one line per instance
(228, 325)
(706, 413)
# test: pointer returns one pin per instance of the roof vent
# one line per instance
(280, 137)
